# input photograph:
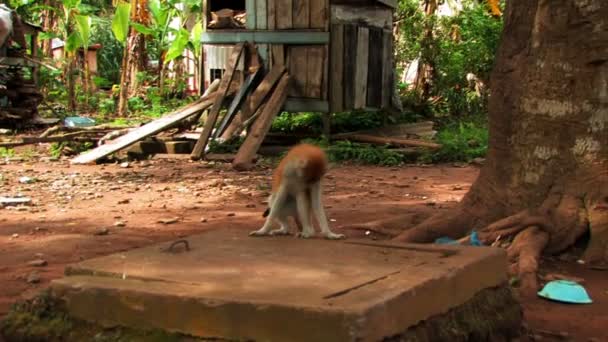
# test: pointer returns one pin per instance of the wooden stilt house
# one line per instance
(339, 53)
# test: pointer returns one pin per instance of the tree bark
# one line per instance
(124, 77)
(425, 72)
(545, 182)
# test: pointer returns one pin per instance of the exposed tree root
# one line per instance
(390, 227)
(454, 224)
(555, 225)
(597, 250)
(526, 250)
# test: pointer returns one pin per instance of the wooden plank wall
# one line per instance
(361, 67)
(306, 64)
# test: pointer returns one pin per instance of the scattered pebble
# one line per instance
(169, 220)
(124, 201)
(203, 219)
(119, 224)
(231, 214)
(125, 165)
(15, 236)
(37, 263)
(250, 205)
(102, 231)
(33, 278)
(478, 161)
(26, 180)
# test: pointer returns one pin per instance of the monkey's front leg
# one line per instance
(317, 207)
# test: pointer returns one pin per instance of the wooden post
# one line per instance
(34, 48)
(336, 97)
(199, 148)
(361, 69)
(244, 157)
(326, 117)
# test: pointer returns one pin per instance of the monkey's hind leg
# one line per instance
(277, 205)
(303, 205)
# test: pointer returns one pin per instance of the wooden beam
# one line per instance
(244, 157)
(260, 94)
(145, 131)
(199, 148)
(237, 102)
(291, 37)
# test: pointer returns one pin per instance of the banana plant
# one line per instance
(170, 42)
(83, 28)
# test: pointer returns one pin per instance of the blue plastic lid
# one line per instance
(566, 291)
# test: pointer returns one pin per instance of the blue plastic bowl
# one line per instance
(565, 291)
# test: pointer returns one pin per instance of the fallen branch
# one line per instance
(91, 129)
(37, 140)
(113, 135)
(382, 140)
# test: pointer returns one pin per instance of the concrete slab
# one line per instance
(233, 286)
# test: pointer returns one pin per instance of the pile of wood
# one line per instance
(257, 98)
(227, 19)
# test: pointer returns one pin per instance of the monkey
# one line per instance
(296, 191)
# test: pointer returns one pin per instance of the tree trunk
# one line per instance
(124, 80)
(545, 182)
(136, 62)
(426, 69)
(71, 82)
(48, 26)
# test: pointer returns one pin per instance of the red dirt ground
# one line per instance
(73, 203)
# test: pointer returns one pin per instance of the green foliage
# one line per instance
(461, 141)
(312, 123)
(359, 153)
(195, 39)
(106, 107)
(136, 104)
(58, 149)
(109, 57)
(459, 45)
(182, 37)
(409, 19)
(120, 22)
(7, 152)
(297, 123)
(83, 26)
